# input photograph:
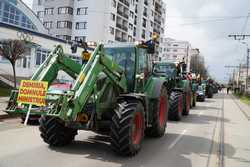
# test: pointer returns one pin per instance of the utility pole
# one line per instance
(243, 37)
(248, 51)
(234, 75)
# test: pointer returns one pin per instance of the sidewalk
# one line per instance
(245, 109)
(237, 124)
(3, 104)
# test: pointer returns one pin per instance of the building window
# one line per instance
(82, 11)
(145, 13)
(40, 14)
(143, 35)
(48, 24)
(112, 15)
(48, 11)
(64, 24)
(134, 33)
(112, 30)
(80, 38)
(175, 45)
(113, 3)
(65, 10)
(41, 56)
(144, 23)
(81, 25)
(39, 2)
(131, 14)
(10, 14)
(64, 37)
(130, 26)
(175, 50)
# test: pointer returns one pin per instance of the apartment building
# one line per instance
(175, 50)
(102, 20)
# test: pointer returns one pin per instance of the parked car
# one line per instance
(201, 96)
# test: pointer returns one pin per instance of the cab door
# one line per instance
(141, 69)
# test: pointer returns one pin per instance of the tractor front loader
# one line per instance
(114, 93)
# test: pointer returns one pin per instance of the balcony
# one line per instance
(125, 2)
(123, 27)
(118, 38)
(119, 25)
(123, 14)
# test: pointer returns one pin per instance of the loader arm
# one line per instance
(56, 61)
(84, 86)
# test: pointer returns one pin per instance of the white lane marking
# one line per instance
(200, 113)
(177, 140)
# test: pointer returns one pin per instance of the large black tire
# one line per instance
(54, 133)
(175, 106)
(194, 100)
(210, 92)
(160, 115)
(127, 128)
(187, 99)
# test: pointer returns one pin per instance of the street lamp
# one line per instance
(248, 50)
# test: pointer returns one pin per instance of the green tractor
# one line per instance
(179, 88)
(114, 94)
(208, 84)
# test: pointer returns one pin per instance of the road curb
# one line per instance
(6, 116)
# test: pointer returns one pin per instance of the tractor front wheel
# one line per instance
(176, 106)
(127, 128)
(160, 115)
(54, 133)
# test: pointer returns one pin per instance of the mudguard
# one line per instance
(153, 87)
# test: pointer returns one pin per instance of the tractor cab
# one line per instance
(134, 60)
(165, 69)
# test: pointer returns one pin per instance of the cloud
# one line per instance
(201, 23)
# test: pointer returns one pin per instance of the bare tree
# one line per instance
(13, 50)
(198, 66)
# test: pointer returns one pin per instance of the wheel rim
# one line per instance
(162, 112)
(180, 105)
(137, 128)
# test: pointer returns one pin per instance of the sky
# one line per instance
(206, 24)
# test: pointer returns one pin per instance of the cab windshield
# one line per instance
(164, 69)
(125, 57)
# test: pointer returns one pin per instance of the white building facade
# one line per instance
(175, 50)
(102, 20)
(17, 21)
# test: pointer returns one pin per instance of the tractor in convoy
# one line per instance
(208, 85)
(178, 87)
(114, 93)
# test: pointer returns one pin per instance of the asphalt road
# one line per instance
(207, 137)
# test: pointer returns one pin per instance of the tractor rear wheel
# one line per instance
(175, 108)
(186, 108)
(160, 115)
(127, 128)
(210, 93)
(194, 100)
(54, 133)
